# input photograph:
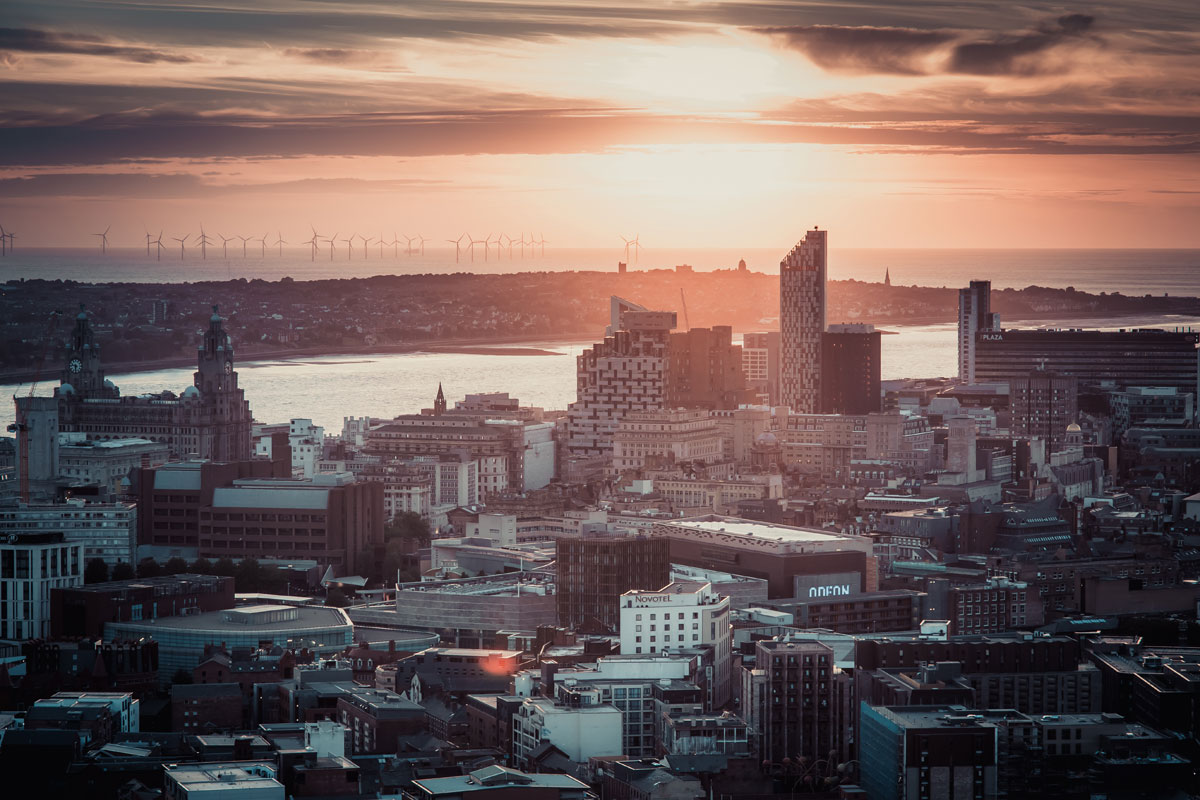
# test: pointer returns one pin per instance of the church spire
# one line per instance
(887, 276)
(439, 402)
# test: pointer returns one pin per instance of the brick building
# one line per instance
(84, 610)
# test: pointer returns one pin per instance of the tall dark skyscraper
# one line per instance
(850, 369)
(593, 573)
(974, 315)
(802, 322)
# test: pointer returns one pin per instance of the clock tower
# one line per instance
(223, 404)
(82, 370)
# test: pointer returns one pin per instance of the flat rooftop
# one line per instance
(247, 618)
(760, 530)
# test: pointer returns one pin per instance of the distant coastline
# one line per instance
(498, 346)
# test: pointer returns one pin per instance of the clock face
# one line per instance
(76, 365)
(228, 367)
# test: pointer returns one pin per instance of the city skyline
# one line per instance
(708, 124)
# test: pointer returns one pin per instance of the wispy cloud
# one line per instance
(29, 40)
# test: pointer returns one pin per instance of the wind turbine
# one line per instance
(103, 239)
(158, 246)
(395, 245)
(510, 244)
(225, 240)
(637, 247)
(422, 238)
(408, 240)
(279, 242)
(3, 241)
(332, 239)
(628, 244)
(263, 240)
(181, 241)
(499, 249)
(312, 246)
(484, 242)
(457, 246)
(542, 242)
(350, 245)
(366, 245)
(244, 240)
(148, 240)
(204, 242)
(381, 244)
(11, 244)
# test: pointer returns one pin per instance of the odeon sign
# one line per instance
(832, 590)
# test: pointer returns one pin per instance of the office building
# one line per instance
(627, 372)
(795, 562)
(32, 565)
(804, 710)
(705, 369)
(666, 437)
(37, 468)
(935, 752)
(182, 639)
(107, 464)
(209, 419)
(1117, 359)
(107, 531)
(234, 780)
(828, 444)
(580, 732)
(1043, 404)
(682, 614)
(1149, 407)
(82, 611)
(802, 322)
(974, 315)
(594, 571)
(500, 783)
(850, 366)
(760, 364)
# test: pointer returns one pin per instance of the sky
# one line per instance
(949, 123)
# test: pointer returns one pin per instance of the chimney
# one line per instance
(281, 455)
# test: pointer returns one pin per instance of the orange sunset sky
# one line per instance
(936, 124)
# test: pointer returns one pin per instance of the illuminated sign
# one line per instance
(833, 590)
(991, 337)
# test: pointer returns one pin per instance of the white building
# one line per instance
(307, 442)
(31, 564)
(106, 531)
(125, 710)
(672, 435)
(681, 614)
(580, 732)
(802, 322)
(106, 463)
(500, 528)
(231, 780)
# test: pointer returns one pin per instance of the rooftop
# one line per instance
(231, 621)
(761, 530)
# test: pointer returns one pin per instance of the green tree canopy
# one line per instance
(96, 571)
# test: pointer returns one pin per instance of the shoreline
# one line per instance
(476, 346)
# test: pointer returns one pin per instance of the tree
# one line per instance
(336, 597)
(175, 566)
(248, 576)
(224, 566)
(123, 572)
(96, 571)
(201, 566)
(408, 525)
(148, 568)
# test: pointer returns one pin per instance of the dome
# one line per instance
(1074, 428)
(189, 393)
(766, 439)
(109, 384)
(66, 388)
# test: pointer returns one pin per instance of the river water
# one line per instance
(329, 388)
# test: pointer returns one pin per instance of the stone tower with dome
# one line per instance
(209, 419)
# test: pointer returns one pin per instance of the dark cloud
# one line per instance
(30, 40)
(334, 55)
(863, 49)
(916, 51)
(1009, 55)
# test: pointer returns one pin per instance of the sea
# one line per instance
(329, 388)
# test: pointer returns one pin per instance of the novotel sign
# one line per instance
(831, 590)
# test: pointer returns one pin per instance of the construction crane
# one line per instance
(19, 427)
(687, 325)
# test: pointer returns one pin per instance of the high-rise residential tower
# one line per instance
(974, 315)
(850, 382)
(802, 322)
